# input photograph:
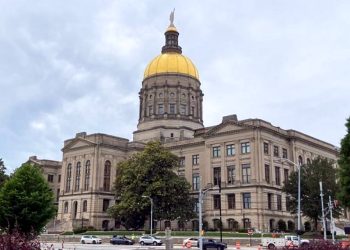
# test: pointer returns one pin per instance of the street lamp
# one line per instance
(146, 196)
(299, 191)
(200, 201)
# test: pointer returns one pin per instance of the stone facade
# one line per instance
(51, 171)
(241, 158)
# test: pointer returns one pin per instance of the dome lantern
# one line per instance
(171, 37)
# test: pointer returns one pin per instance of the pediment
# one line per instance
(226, 127)
(78, 143)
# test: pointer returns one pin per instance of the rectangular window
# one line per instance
(150, 110)
(57, 195)
(50, 178)
(275, 151)
(267, 173)
(217, 176)
(266, 148)
(245, 147)
(216, 151)
(231, 201)
(246, 200)
(182, 162)
(183, 109)
(195, 159)
(195, 182)
(284, 153)
(286, 175)
(192, 110)
(196, 207)
(269, 201)
(59, 178)
(160, 109)
(279, 202)
(217, 202)
(231, 175)
(230, 150)
(105, 205)
(172, 108)
(246, 173)
(277, 176)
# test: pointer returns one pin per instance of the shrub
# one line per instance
(79, 230)
(19, 241)
(321, 245)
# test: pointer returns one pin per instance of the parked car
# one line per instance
(210, 243)
(190, 242)
(90, 239)
(121, 240)
(150, 240)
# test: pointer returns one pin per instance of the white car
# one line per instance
(90, 239)
(190, 242)
(150, 240)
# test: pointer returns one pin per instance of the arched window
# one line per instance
(272, 225)
(105, 224)
(85, 206)
(65, 208)
(232, 224)
(167, 224)
(291, 225)
(75, 209)
(87, 175)
(181, 225)
(246, 223)
(195, 225)
(216, 224)
(300, 160)
(77, 176)
(107, 176)
(69, 176)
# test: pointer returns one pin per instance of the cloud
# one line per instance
(64, 71)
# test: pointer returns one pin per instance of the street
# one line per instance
(79, 246)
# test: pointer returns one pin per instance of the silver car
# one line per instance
(150, 240)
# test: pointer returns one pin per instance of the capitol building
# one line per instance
(249, 159)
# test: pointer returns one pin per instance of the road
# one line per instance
(78, 246)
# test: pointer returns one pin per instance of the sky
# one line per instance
(74, 66)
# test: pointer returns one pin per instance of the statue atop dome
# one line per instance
(172, 18)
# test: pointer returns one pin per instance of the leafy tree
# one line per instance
(3, 176)
(344, 171)
(27, 203)
(320, 169)
(151, 173)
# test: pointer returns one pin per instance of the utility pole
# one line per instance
(220, 209)
(323, 217)
(332, 221)
(200, 200)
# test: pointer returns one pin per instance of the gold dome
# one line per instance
(171, 63)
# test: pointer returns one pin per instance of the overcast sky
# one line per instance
(73, 66)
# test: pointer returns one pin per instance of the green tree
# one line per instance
(27, 203)
(320, 169)
(151, 173)
(344, 170)
(3, 176)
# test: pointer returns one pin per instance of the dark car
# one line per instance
(121, 240)
(211, 244)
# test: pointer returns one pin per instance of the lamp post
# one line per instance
(200, 219)
(146, 196)
(299, 191)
